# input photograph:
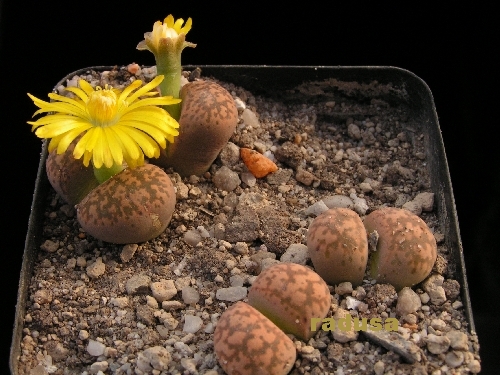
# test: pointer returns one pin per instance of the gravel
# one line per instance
(151, 308)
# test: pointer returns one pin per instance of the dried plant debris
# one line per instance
(152, 307)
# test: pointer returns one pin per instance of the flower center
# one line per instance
(102, 106)
(168, 32)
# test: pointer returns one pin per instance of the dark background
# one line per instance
(452, 49)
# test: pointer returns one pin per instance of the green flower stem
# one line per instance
(168, 64)
(103, 174)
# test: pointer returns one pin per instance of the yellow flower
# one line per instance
(170, 29)
(115, 124)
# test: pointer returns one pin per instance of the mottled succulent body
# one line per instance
(69, 177)
(208, 119)
(132, 206)
(290, 295)
(406, 248)
(248, 343)
(338, 246)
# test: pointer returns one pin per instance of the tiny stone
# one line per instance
(340, 201)
(138, 284)
(424, 297)
(42, 296)
(425, 200)
(157, 358)
(413, 207)
(83, 335)
(163, 331)
(99, 366)
(438, 324)
(95, 348)
(360, 205)
(163, 290)
(192, 237)
(192, 324)
(190, 295)
(437, 344)
(410, 318)
(358, 347)
(353, 131)
(304, 177)
(71, 263)
(458, 340)
(96, 269)
(454, 358)
(248, 178)
(225, 179)
(316, 208)
(218, 279)
(249, 118)
(49, 246)
(365, 187)
(151, 302)
(230, 154)
(236, 280)
(231, 294)
(408, 302)
(474, 366)
(241, 248)
(296, 253)
(343, 288)
(379, 368)
(171, 305)
(120, 302)
(128, 252)
(56, 350)
(81, 262)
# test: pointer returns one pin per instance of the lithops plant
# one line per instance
(290, 295)
(406, 249)
(69, 177)
(248, 343)
(208, 119)
(338, 246)
(132, 206)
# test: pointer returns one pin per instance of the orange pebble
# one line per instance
(413, 327)
(257, 164)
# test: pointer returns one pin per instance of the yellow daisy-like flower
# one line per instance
(116, 125)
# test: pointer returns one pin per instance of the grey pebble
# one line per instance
(316, 208)
(192, 323)
(231, 294)
(395, 342)
(190, 295)
(138, 284)
(341, 201)
(226, 179)
(408, 302)
(296, 253)
(128, 252)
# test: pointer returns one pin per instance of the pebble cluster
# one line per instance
(152, 307)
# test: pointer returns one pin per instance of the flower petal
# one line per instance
(85, 86)
(129, 89)
(148, 87)
(55, 129)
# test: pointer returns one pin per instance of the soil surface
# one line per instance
(94, 307)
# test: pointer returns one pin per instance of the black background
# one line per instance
(452, 49)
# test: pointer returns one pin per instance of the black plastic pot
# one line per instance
(272, 80)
